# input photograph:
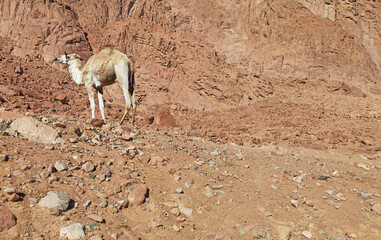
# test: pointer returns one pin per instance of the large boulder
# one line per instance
(35, 130)
(162, 117)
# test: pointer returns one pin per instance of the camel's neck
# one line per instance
(75, 72)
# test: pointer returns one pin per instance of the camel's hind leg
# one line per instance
(121, 71)
(128, 103)
(133, 107)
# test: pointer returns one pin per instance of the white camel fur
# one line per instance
(102, 69)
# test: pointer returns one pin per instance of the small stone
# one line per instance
(176, 228)
(96, 237)
(19, 174)
(14, 197)
(366, 195)
(307, 234)
(352, 235)
(186, 211)
(310, 203)
(274, 187)
(239, 156)
(377, 208)
(141, 228)
(95, 217)
(60, 166)
(179, 190)
(127, 136)
(208, 191)
(9, 190)
(103, 204)
(298, 179)
(4, 157)
(214, 153)
(170, 204)
(74, 231)
(217, 187)
(322, 177)
(261, 232)
(363, 166)
(294, 203)
(88, 166)
(32, 202)
(138, 194)
(97, 122)
(145, 159)
(268, 214)
(53, 179)
(54, 212)
(172, 168)
(86, 204)
(7, 220)
(92, 227)
(56, 199)
(175, 211)
(212, 163)
(330, 192)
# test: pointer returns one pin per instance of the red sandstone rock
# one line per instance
(141, 228)
(138, 195)
(14, 197)
(162, 117)
(7, 220)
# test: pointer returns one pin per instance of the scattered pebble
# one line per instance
(307, 234)
(103, 204)
(60, 166)
(14, 197)
(294, 203)
(186, 211)
(4, 157)
(377, 208)
(88, 166)
(95, 217)
(86, 204)
(141, 228)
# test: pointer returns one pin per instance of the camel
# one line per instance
(102, 69)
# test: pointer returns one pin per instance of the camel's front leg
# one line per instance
(91, 98)
(101, 105)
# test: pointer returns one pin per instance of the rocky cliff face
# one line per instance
(42, 28)
(205, 54)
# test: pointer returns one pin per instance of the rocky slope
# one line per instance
(256, 119)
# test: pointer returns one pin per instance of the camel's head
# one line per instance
(68, 58)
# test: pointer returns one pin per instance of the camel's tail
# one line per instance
(131, 78)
